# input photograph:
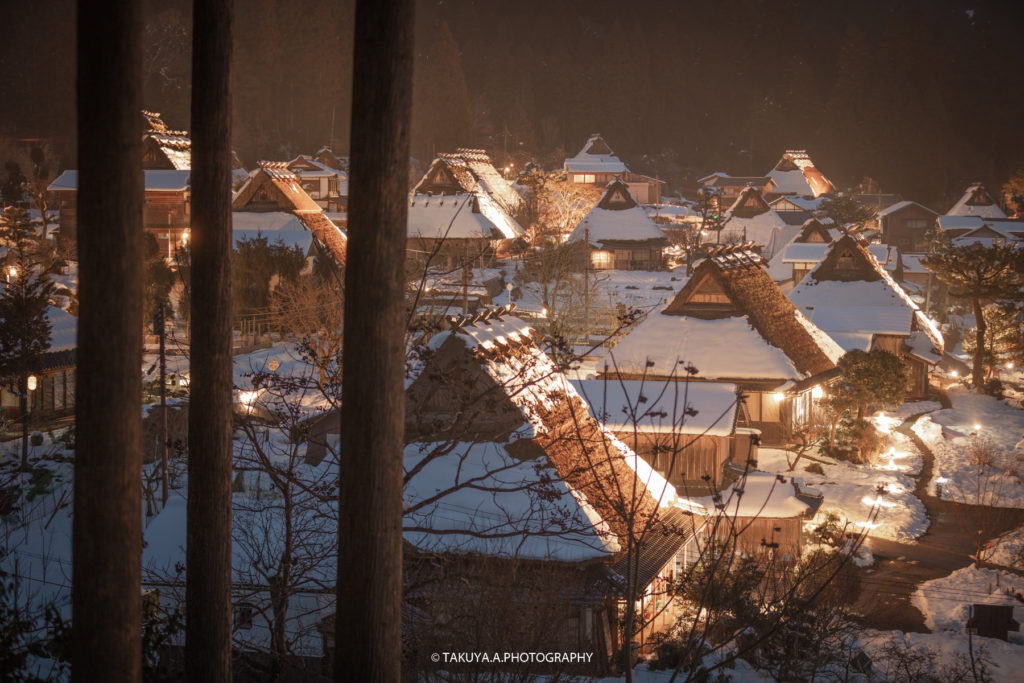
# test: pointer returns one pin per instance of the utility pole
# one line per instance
(160, 328)
(586, 288)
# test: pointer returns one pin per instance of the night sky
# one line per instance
(922, 97)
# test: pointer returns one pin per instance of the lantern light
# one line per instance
(32, 383)
(779, 396)
(817, 392)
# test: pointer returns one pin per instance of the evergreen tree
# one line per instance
(845, 211)
(157, 279)
(24, 327)
(980, 274)
(256, 261)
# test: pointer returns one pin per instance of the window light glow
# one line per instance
(817, 392)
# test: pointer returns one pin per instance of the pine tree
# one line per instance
(24, 328)
(981, 274)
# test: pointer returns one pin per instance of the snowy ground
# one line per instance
(945, 603)
(851, 491)
(631, 288)
(1004, 661)
(951, 434)
(1008, 549)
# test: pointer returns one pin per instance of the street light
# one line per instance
(32, 382)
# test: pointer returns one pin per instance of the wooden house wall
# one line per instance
(787, 532)
(695, 456)
(906, 227)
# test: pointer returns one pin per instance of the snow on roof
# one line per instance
(274, 225)
(658, 406)
(757, 229)
(505, 349)
(507, 507)
(322, 170)
(156, 180)
(63, 329)
(595, 157)
(805, 203)
(762, 494)
(988, 235)
(456, 217)
(492, 182)
(976, 202)
(860, 341)
(662, 344)
(780, 237)
(883, 319)
(804, 252)
(893, 208)
(921, 346)
(850, 301)
(796, 174)
(617, 216)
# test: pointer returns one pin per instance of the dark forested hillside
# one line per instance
(919, 96)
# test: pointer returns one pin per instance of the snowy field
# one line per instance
(632, 288)
(851, 491)
(951, 434)
(1008, 549)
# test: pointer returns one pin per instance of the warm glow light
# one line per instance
(247, 398)
(977, 428)
(184, 237)
(32, 382)
(954, 373)
(12, 273)
(544, 312)
(1009, 366)
(817, 392)
(779, 396)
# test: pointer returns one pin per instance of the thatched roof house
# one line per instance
(850, 296)
(507, 464)
(618, 233)
(796, 174)
(976, 201)
(732, 323)
(273, 203)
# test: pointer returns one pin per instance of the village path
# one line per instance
(947, 546)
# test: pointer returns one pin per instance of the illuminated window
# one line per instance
(584, 178)
(602, 259)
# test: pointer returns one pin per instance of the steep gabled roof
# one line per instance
(976, 201)
(813, 231)
(899, 206)
(617, 217)
(174, 145)
(796, 174)
(732, 323)
(595, 157)
(751, 216)
(745, 289)
(851, 292)
(489, 373)
(471, 171)
(483, 170)
(749, 203)
(458, 216)
(274, 188)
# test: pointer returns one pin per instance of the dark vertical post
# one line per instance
(368, 627)
(208, 553)
(107, 529)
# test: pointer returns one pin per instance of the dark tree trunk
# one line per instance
(107, 538)
(368, 627)
(208, 578)
(980, 329)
